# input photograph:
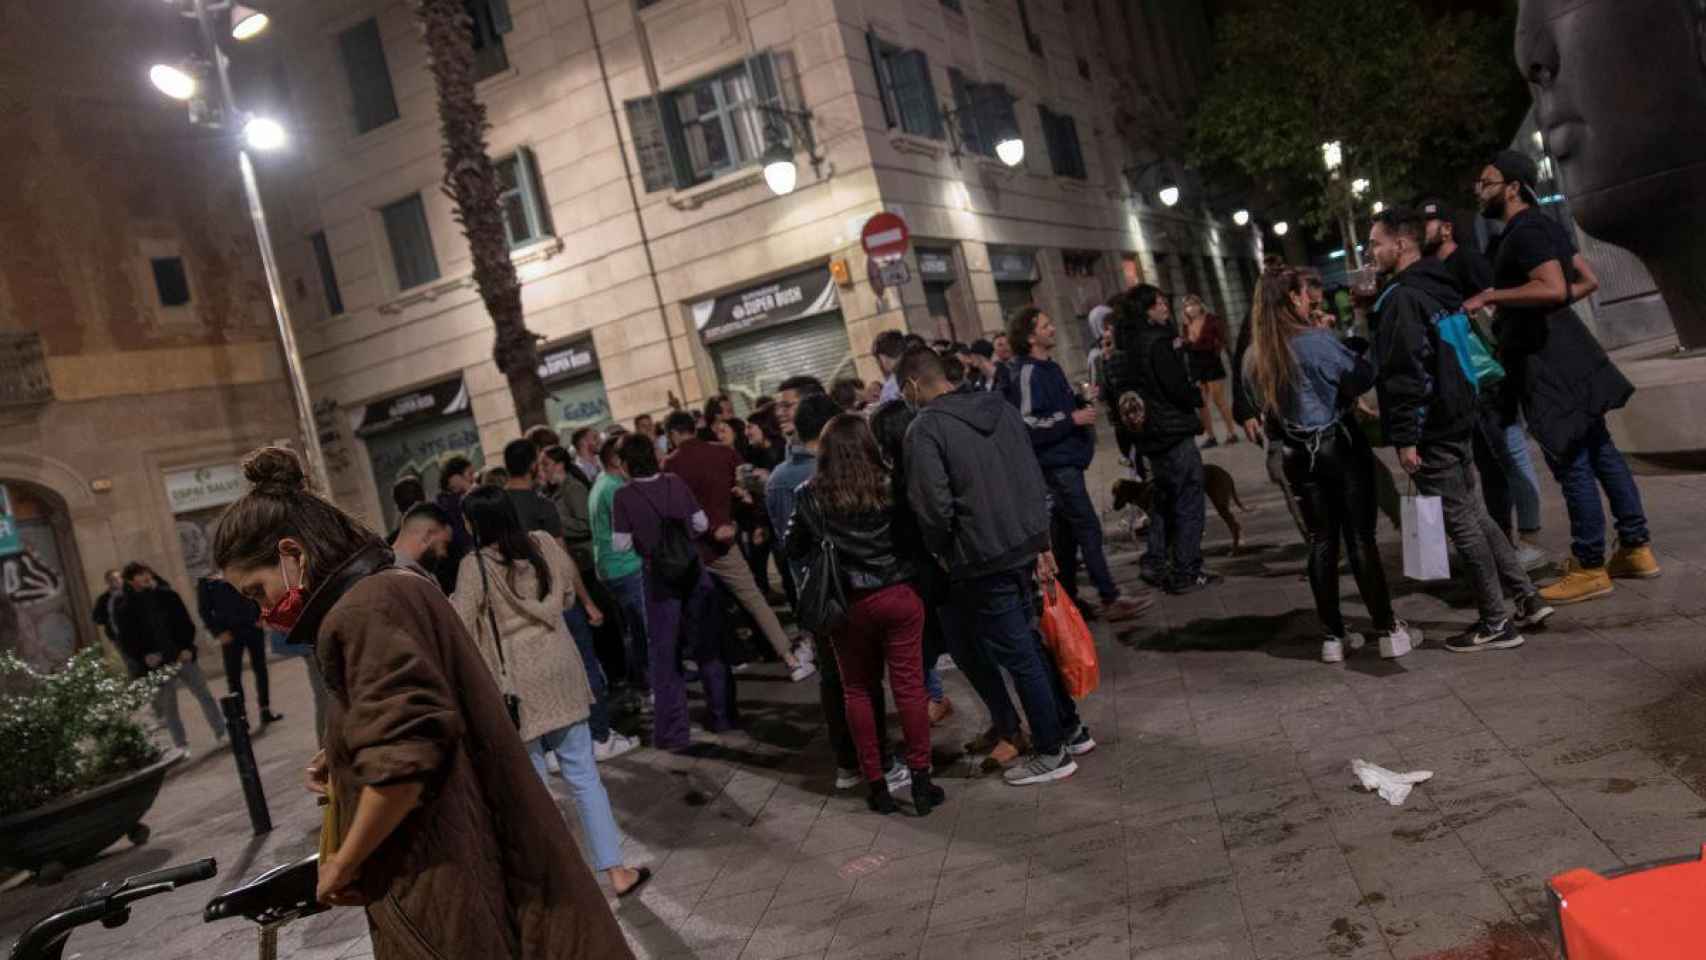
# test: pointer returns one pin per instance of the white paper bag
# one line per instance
(1425, 556)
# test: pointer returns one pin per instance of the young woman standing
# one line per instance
(518, 584)
(1306, 380)
(1205, 341)
(440, 827)
(850, 503)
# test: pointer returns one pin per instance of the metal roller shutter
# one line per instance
(755, 365)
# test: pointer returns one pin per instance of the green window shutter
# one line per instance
(651, 146)
(965, 106)
(1073, 149)
(372, 100)
(411, 242)
(538, 208)
(995, 117)
(767, 92)
(915, 94)
(675, 141)
(880, 68)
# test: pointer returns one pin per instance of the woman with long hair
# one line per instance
(435, 819)
(1205, 341)
(511, 593)
(851, 504)
(1306, 380)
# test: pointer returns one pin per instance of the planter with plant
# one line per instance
(78, 770)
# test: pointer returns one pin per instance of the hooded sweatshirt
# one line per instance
(1424, 395)
(540, 663)
(975, 485)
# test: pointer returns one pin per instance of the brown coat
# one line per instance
(485, 867)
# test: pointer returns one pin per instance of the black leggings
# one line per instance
(1335, 492)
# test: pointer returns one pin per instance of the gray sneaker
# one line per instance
(1041, 768)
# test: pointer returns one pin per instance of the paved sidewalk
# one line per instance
(1218, 818)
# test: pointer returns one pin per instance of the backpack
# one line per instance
(675, 560)
(1456, 330)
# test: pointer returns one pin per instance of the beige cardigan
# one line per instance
(543, 667)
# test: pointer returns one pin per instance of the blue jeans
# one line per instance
(581, 630)
(1597, 464)
(1076, 527)
(1524, 484)
(573, 747)
(630, 595)
(981, 672)
(933, 685)
(996, 613)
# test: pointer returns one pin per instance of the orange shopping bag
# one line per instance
(1069, 639)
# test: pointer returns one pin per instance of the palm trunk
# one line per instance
(472, 182)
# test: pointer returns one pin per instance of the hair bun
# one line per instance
(275, 470)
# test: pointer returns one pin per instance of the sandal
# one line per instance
(645, 873)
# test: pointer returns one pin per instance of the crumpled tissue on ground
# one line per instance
(1393, 787)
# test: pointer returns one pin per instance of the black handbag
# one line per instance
(823, 596)
(512, 703)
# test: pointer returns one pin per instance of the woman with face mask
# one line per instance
(436, 821)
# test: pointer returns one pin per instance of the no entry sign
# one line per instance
(885, 235)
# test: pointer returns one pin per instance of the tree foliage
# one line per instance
(1419, 99)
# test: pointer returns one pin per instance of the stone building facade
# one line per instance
(138, 360)
(655, 260)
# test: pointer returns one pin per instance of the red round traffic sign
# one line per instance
(885, 235)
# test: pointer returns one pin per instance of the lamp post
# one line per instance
(1333, 158)
(259, 133)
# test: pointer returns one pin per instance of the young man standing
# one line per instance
(886, 350)
(156, 631)
(1427, 409)
(1563, 379)
(234, 620)
(1060, 426)
(981, 504)
(105, 616)
(621, 571)
(584, 445)
(711, 471)
(1153, 367)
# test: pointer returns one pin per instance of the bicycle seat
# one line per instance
(282, 893)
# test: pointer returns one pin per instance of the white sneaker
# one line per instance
(1355, 642)
(551, 764)
(846, 779)
(801, 672)
(1397, 642)
(1332, 650)
(616, 746)
(899, 777)
(1530, 557)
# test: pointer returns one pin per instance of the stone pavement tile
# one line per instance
(1641, 821)
(1548, 652)
(1678, 591)
(799, 927)
(1395, 863)
(659, 905)
(1350, 932)
(891, 934)
(1194, 912)
(972, 896)
(1329, 722)
(1355, 812)
(1260, 868)
(810, 878)
(1426, 721)
(1396, 685)
(908, 882)
(1270, 817)
(903, 835)
(1262, 764)
(1469, 920)
(1463, 759)
(1183, 850)
(1329, 759)
(1228, 948)
(994, 832)
(1615, 766)
(1075, 898)
(1148, 801)
(751, 871)
(1520, 868)
(1515, 806)
(997, 939)
(1219, 726)
(836, 832)
(1109, 940)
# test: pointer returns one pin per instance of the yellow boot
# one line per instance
(1577, 584)
(1633, 563)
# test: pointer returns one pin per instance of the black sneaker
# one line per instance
(1180, 584)
(1081, 743)
(1532, 610)
(1486, 636)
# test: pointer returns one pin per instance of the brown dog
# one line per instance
(1217, 483)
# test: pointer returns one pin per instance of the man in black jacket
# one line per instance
(1150, 364)
(982, 508)
(1427, 409)
(234, 620)
(155, 629)
(105, 616)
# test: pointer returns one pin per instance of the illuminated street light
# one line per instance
(1333, 155)
(1281, 228)
(1169, 195)
(1011, 151)
(1379, 207)
(174, 82)
(1241, 217)
(1359, 186)
(263, 134)
(780, 172)
(247, 22)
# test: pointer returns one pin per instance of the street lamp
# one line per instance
(174, 82)
(781, 174)
(1281, 228)
(263, 133)
(247, 22)
(1169, 195)
(1333, 155)
(1011, 151)
(1241, 217)
(1359, 186)
(781, 126)
(1379, 207)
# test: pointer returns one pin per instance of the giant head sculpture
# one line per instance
(1620, 98)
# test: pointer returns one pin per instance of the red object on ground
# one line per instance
(1656, 912)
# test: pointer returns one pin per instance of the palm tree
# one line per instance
(471, 181)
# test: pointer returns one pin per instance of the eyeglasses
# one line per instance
(1480, 185)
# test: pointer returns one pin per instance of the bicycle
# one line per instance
(271, 900)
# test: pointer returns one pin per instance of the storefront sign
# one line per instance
(203, 487)
(10, 541)
(1012, 266)
(568, 360)
(804, 294)
(439, 400)
(936, 265)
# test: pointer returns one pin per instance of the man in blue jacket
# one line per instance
(1060, 425)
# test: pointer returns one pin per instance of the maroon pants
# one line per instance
(885, 625)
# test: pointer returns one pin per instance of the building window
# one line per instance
(1031, 39)
(328, 273)
(908, 94)
(707, 128)
(411, 242)
(369, 76)
(489, 20)
(1060, 132)
(984, 112)
(170, 281)
(526, 217)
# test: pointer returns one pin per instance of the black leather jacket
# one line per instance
(867, 546)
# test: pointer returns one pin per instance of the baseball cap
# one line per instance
(983, 348)
(1434, 209)
(1518, 167)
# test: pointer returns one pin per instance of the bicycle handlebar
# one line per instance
(107, 903)
(183, 873)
